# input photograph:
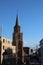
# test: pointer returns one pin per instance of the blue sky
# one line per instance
(30, 13)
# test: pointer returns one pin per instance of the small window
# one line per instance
(3, 47)
(31, 50)
(3, 40)
(8, 41)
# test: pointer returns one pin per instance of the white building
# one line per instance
(6, 43)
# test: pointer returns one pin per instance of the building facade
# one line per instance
(4, 44)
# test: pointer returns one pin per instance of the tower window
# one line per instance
(18, 36)
(20, 44)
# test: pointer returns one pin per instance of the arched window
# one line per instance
(3, 47)
(3, 40)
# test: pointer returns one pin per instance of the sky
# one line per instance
(30, 14)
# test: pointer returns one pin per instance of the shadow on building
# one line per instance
(8, 57)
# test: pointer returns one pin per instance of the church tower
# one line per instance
(18, 41)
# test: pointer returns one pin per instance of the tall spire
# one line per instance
(17, 26)
(17, 20)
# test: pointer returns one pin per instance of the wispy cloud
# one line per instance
(30, 44)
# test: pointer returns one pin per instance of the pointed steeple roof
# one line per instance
(17, 26)
(17, 21)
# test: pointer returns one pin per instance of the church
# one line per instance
(12, 51)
